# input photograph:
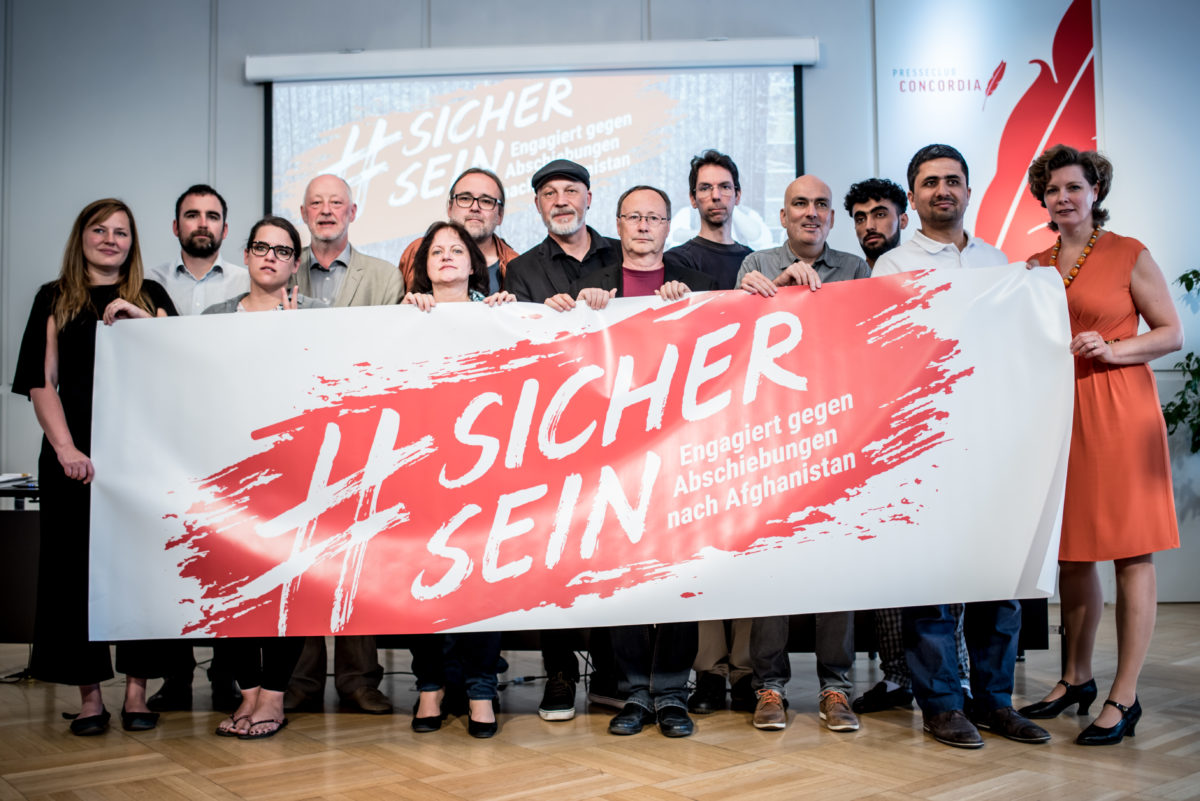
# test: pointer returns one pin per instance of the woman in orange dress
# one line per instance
(1119, 502)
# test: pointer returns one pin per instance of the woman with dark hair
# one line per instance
(263, 666)
(272, 256)
(1119, 503)
(450, 268)
(100, 279)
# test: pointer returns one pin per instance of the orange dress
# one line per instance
(1119, 500)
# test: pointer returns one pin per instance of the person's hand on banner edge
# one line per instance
(561, 302)
(499, 298)
(799, 273)
(595, 297)
(672, 290)
(121, 309)
(421, 300)
(756, 283)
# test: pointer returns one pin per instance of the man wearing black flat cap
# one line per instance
(562, 191)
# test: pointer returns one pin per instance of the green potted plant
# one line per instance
(1184, 409)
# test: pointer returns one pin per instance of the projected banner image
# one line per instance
(400, 144)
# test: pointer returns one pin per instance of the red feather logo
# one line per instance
(997, 74)
(1060, 106)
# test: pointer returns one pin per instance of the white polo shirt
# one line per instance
(922, 253)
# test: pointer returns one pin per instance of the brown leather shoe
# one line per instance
(1011, 724)
(835, 711)
(369, 700)
(953, 728)
(769, 712)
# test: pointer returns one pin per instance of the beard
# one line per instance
(479, 230)
(873, 252)
(565, 228)
(200, 245)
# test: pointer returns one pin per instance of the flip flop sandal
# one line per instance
(230, 732)
(280, 724)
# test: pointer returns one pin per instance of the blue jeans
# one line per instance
(479, 652)
(655, 662)
(991, 629)
(834, 646)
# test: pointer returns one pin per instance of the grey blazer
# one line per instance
(369, 281)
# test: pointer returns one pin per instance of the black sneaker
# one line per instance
(742, 697)
(879, 698)
(558, 700)
(709, 695)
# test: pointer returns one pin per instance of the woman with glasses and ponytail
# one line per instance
(263, 665)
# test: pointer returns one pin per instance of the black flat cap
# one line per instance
(562, 168)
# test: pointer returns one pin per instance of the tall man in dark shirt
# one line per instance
(714, 189)
(571, 249)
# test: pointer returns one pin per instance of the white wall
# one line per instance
(141, 98)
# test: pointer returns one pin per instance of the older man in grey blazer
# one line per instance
(331, 270)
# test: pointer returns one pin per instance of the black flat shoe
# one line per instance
(138, 721)
(428, 724)
(89, 726)
(631, 720)
(1098, 735)
(673, 721)
(480, 729)
(1082, 694)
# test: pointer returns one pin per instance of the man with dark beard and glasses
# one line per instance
(571, 249)
(198, 278)
(877, 206)
(714, 190)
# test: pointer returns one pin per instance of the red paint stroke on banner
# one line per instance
(1055, 109)
(343, 522)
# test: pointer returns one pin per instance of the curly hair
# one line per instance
(876, 189)
(479, 280)
(1096, 169)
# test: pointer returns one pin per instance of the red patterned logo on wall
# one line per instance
(1060, 107)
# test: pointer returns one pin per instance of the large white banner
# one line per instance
(891, 441)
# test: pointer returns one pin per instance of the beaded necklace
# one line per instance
(1070, 276)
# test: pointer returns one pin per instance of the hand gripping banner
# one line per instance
(883, 442)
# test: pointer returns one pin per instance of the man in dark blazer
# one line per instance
(571, 249)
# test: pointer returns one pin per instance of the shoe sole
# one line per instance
(556, 714)
(954, 744)
(770, 726)
(838, 726)
(1032, 741)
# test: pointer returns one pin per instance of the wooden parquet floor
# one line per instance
(340, 756)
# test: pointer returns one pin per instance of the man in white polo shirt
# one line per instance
(939, 191)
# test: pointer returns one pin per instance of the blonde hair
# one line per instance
(73, 281)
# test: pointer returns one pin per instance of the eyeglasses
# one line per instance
(723, 189)
(282, 252)
(464, 200)
(636, 219)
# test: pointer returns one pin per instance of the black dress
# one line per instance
(61, 650)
